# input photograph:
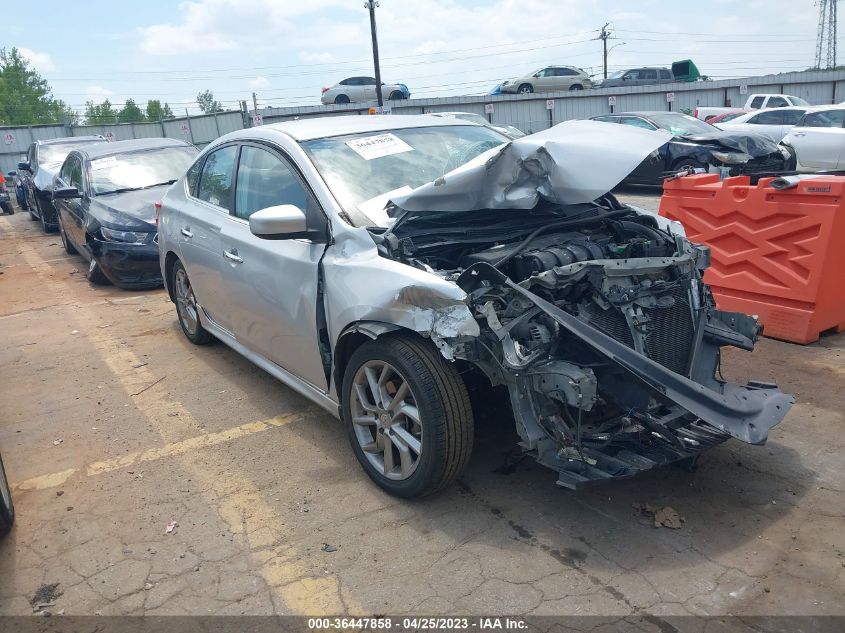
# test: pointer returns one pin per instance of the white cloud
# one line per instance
(259, 82)
(98, 94)
(41, 61)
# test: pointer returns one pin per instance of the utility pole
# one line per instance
(371, 5)
(254, 104)
(603, 37)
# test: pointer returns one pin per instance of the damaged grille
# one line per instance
(670, 332)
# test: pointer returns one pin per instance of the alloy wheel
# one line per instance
(186, 303)
(386, 420)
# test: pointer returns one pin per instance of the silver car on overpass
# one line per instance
(404, 271)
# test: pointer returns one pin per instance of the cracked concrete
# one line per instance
(763, 532)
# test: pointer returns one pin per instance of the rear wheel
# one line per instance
(408, 415)
(340, 99)
(7, 510)
(396, 95)
(576, 87)
(95, 274)
(186, 307)
(70, 249)
(526, 89)
(687, 163)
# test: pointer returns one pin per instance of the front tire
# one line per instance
(186, 307)
(525, 89)
(576, 87)
(7, 509)
(95, 274)
(408, 416)
(396, 95)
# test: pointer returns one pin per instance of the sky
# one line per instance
(286, 50)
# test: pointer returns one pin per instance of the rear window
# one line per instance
(777, 102)
(756, 102)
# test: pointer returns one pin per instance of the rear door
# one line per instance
(819, 140)
(198, 224)
(272, 284)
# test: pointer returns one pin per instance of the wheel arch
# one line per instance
(169, 262)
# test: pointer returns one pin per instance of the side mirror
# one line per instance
(12, 173)
(24, 166)
(66, 193)
(284, 221)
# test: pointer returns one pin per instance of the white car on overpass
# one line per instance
(362, 90)
(772, 122)
(818, 139)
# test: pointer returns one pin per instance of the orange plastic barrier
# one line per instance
(777, 254)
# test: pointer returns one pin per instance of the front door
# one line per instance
(820, 141)
(272, 283)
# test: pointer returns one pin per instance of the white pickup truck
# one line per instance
(754, 102)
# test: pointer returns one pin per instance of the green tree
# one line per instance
(207, 103)
(157, 112)
(130, 113)
(99, 114)
(25, 96)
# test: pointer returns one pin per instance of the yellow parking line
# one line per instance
(237, 500)
(169, 450)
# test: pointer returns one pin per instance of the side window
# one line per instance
(606, 119)
(665, 74)
(193, 177)
(637, 122)
(368, 81)
(346, 82)
(648, 73)
(64, 174)
(791, 117)
(756, 102)
(768, 118)
(631, 75)
(216, 179)
(827, 118)
(566, 72)
(265, 180)
(75, 172)
(777, 102)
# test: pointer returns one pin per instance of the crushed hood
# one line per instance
(755, 145)
(129, 210)
(570, 163)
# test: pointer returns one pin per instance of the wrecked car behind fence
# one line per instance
(592, 314)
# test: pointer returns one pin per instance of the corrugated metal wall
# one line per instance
(527, 112)
(200, 130)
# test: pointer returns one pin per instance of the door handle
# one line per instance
(187, 232)
(232, 256)
(799, 134)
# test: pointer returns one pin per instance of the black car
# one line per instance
(105, 196)
(699, 145)
(36, 174)
(7, 510)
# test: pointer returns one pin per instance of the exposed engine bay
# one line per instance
(596, 319)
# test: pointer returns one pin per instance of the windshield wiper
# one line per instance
(126, 189)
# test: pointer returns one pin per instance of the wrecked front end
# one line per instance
(599, 325)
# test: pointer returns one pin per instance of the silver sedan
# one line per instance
(388, 267)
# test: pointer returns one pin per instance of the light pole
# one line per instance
(607, 52)
(603, 37)
(371, 5)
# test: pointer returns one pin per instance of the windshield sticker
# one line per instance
(104, 163)
(371, 147)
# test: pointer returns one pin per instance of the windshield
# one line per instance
(681, 124)
(616, 75)
(730, 117)
(137, 170)
(58, 153)
(798, 101)
(365, 170)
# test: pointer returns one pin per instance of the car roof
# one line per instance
(122, 147)
(322, 127)
(820, 108)
(644, 113)
(71, 139)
